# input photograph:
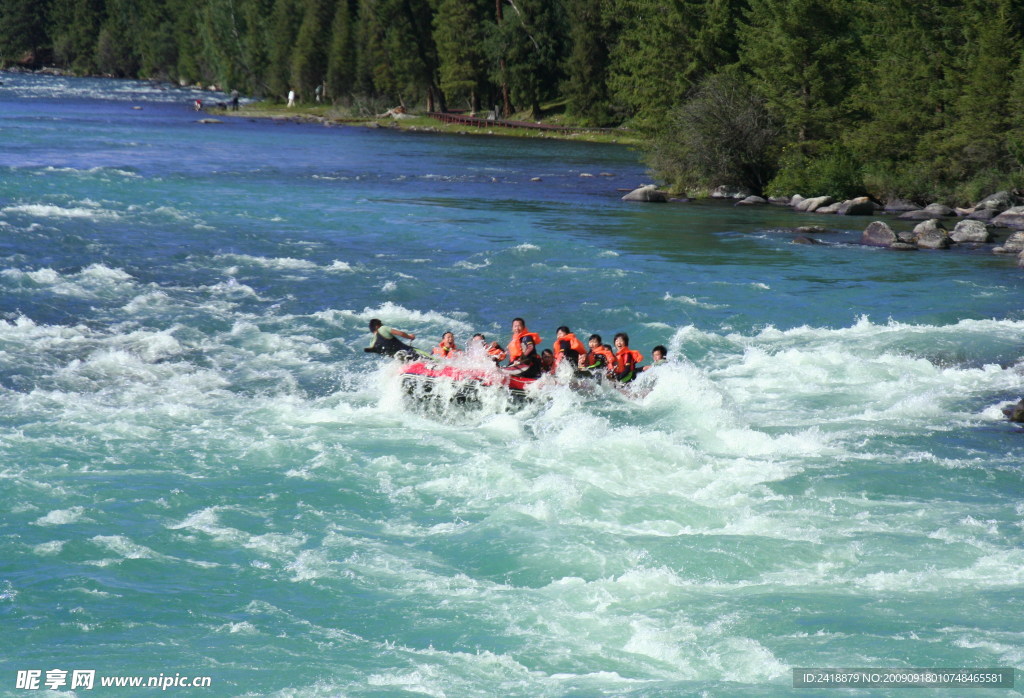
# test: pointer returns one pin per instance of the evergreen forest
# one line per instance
(921, 99)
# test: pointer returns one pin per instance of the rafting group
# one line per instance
(524, 358)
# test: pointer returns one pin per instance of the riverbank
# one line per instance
(334, 116)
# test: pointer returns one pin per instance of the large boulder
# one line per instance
(814, 203)
(726, 191)
(971, 231)
(752, 201)
(918, 215)
(878, 234)
(998, 202)
(940, 211)
(982, 214)
(1015, 413)
(649, 193)
(928, 212)
(1010, 218)
(1013, 245)
(906, 236)
(930, 235)
(831, 208)
(900, 206)
(861, 206)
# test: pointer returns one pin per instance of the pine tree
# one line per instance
(592, 32)
(799, 52)
(155, 42)
(341, 55)
(283, 30)
(75, 24)
(23, 32)
(397, 58)
(532, 38)
(907, 92)
(460, 39)
(664, 49)
(983, 110)
(309, 57)
(116, 46)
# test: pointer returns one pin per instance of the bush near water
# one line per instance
(920, 99)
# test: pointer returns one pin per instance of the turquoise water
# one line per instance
(203, 473)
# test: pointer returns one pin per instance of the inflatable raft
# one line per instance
(430, 381)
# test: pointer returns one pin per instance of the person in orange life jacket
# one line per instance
(548, 361)
(567, 346)
(496, 353)
(528, 364)
(385, 339)
(659, 355)
(479, 347)
(518, 331)
(626, 359)
(599, 357)
(446, 348)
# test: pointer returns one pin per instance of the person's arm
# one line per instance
(516, 368)
(400, 333)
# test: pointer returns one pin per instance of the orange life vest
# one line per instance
(514, 350)
(600, 352)
(574, 344)
(445, 352)
(625, 357)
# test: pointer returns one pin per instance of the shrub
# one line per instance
(721, 134)
(832, 171)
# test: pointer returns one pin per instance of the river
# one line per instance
(203, 474)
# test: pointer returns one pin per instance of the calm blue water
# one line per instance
(204, 474)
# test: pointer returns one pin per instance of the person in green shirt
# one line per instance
(385, 339)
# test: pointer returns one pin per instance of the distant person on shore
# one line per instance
(319, 91)
(291, 98)
(234, 100)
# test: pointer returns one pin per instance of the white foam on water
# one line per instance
(58, 212)
(395, 315)
(689, 300)
(94, 281)
(279, 263)
(48, 549)
(125, 547)
(128, 174)
(472, 266)
(61, 517)
(1002, 570)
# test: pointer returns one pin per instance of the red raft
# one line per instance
(426, 380)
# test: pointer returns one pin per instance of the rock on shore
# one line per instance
(648, 193)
